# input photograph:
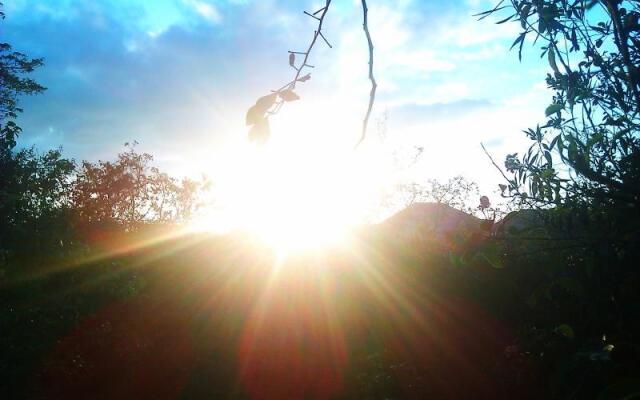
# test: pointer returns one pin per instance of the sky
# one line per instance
(177, 76)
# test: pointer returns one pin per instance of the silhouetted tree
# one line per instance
(574, 258)
(35, 204)
(14, 66)
(18, 200)
(593, 51)
(130, 192)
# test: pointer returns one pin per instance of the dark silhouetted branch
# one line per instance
(311, 15)
(374, 85)
(318, 32)
(325, 40)
(320, 10)
(494, 163)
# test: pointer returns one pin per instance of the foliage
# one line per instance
(51, 208)
(573, 256)
(14, 66)
(457, 192)
(268, 105)
(593, 50)
(35, 199)
(131, 192)
(258, 114)
(542, 305)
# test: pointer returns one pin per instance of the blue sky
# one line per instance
(178, 76)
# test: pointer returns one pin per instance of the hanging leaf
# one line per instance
(519, 40)
(288, 95)
(267, 101)
(256, 113)
(506, 19)
(524, 14)
(572, 150)
(253, 115)
(547, 156)
(553, 108)
(292, 59)
(551, 55)
(260, 132)
(304, 78)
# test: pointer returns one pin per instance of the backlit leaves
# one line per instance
(288, 95)
(595, 102)
(257, 112)
(257, 115)
(260, 132)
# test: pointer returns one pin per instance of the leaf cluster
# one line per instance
(14, 68)
(588, 146)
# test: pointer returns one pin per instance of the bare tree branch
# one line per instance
(318, 32)
(300, 66)
(494, 163)
(374, 85)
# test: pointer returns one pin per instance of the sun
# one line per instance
(294, 199)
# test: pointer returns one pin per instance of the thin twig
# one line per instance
(323, 8)
(325, 40)
(311, 15)
(494, 163)
(318, 32)
(374, 85)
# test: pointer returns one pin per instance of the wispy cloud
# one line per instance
(177, 75)
(207, 10)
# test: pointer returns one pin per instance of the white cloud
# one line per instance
(206, 10)
(471, 32)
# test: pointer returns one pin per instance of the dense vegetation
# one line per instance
(100, 298)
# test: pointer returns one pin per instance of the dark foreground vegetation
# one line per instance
(101, 297)
(391, 316)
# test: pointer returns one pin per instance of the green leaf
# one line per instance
(572, 151)
(553, 108)
(566, 331)
(519, 40)
(551, 55)
(502, 21)
(524, 13)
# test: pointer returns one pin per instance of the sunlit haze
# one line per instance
(319, 199)
(189, 112)
(295, 196)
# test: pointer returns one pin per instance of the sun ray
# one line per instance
(295, 198)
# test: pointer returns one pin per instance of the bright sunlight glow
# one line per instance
(292, 196)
